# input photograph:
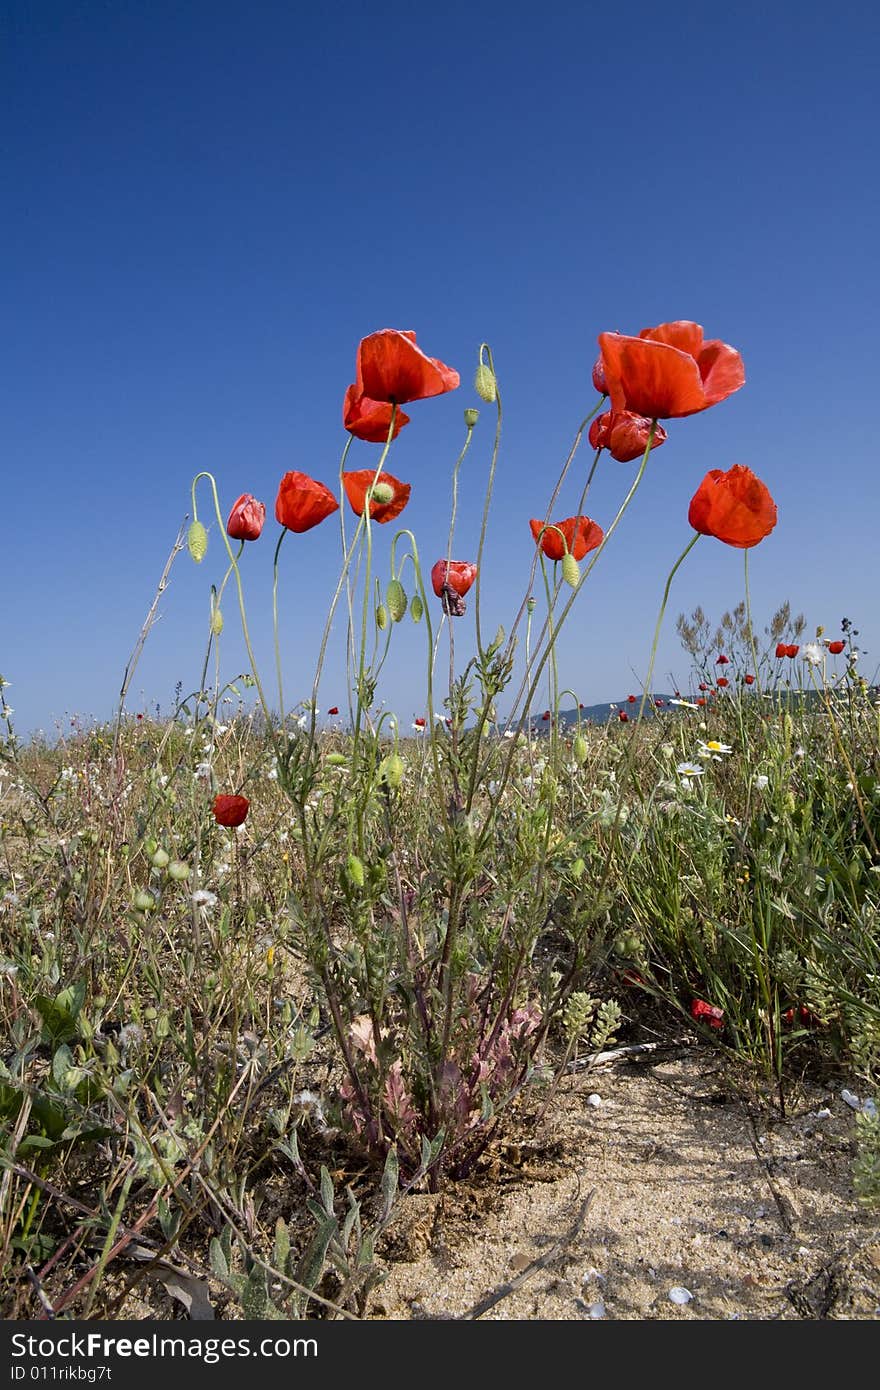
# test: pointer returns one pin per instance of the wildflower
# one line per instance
(722, 681)
(761, 782)
(579, 536)
(723, 660)
(735, 507)
(599, 381)
(334, 709)
(623, 716)
(701, 700)
(630, 699)
(624, 434)
(792, 650)
(669, 371)
(202, 898)
(707, 1013)
(811, 652)
(835, 648)
(689, 770)
(659, 704)
(246, 518)
(703, 685)
(390, 367)
(749, 680)
(302, 502)
(712, 748)
(688, 704)
(370, 420)
(450, 580)
(419, 724)
(546, 715)
(230, 810)
(389, 498)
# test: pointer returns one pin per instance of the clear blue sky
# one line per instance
(207, 205)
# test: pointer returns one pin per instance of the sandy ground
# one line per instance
(677, 1186)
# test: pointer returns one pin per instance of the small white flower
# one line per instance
(220, 728)
(202, 898)
(800, 751)
(713, 749)
(689, 770)
(8, 711)
(203, 770)
(761, 782)
(688, 704)
(812, 652)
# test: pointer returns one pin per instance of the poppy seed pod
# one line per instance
(197, 541)
(383, 493)
(471, 416)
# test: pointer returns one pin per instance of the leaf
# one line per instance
(390, 1178)
(217, 1259)
(282, 1244)
(191, 1292)
(59, 1024)
(312, 1263)
(327, 1193)
(62, 1063)
(255, 1294)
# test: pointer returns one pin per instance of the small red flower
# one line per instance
(246, 518)
(624, 434)
(631, 978)
(630, 699)
(581, 535)
(788, 1016)
(700, 700)
(623, 716)
(707, 1013)
(792, 650)
(781, 650)
(334, 709)
(390, 367)
(140, 716)
(231, 810)
(722, 681)
(370, 420)
(723, 660)
(835, 648)
(735, 507)
(356, 485)
(450, 580)
(546, 714)
(669, 371)
(703, 685)
(659, 703)
(749, 680)
(419, 722)
(302, 502)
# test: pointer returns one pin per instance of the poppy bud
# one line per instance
(570, 570)
(749, 680)
(197, 541)
(530, 604)
(216, 621)
(246, 518)
(579, 749)
(485, 384)
(471, 416)
(383, 493)
(178, 870)
(381, 617)
(395, 598)
(416, 609)
(144, 901)
(160, 859)
(391, 770)
(355, 870)
(577, 868)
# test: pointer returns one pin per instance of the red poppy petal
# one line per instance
(682, 334)
(651, 378)
(370, 420)
(721, 370)
(392, 368)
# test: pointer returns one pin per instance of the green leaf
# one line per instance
(217, 1259)
(390, 1178)
(327, 1193)
(255, 1294)
(59, 1024)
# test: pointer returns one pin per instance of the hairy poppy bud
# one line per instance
(144, 901)
(216, 621)
(471, 416)
(416, 609)
(178, 870)
(197, 541)
(391, 770)
(160, 859)
(485, 384)
(396, 600)
(580, 750)
(381, 617)
(570, 571)
(355, 870)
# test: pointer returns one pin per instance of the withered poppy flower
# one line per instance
(723, 660)
(246, 518)
(450, 580)
(669, 371)
(722, 681)
(370, 420)
(231, 810)
(707, 1013)
(580, 536)
(302, 502)
(735, 507)
(624, 434)
(356, 485)
(390, 367)
(835, 648)
(749, 680)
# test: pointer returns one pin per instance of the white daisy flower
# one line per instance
(689, 769)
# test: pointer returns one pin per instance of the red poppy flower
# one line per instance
(835, 648)
(581, 536)
(599, 381)
(246, 518)
(231, 810)
(723, 660)
(735, 507)
(357, 483)
(546, 714)
(659, 703)
(669, 371)
(391, 368)
(302, 502)
(631, 699)
(781, 650)
(749, 680)
(334, 709)
(624, 434)
(419, 722)
(703, 685)
(623, 716)
(700, 700)
(630, 977)
(457, 575)
(370, 420)
(788, 1016)
(722, 681)
(792, 650)
(707, 1013)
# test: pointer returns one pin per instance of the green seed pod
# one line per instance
(416, 609)
(391, 770)
(570, 570)
(197, 541)
(161, 859)
(577, 868)
(144, 901)
(383, 493)
(381, 617)
(471, 416)
(355, 870)
(216, 621)
(395, 598)
(485, 384)
(336, 759)
(178, 870)
(580, 750)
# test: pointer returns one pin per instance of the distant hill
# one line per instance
(600, 714)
